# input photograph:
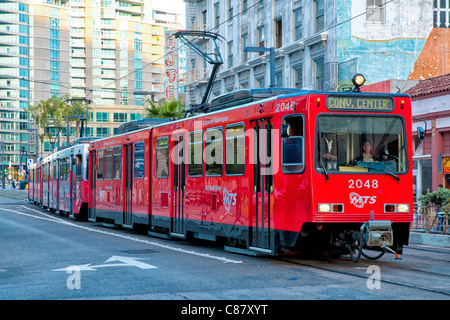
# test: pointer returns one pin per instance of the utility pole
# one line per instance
(82, 119)
(271, 51)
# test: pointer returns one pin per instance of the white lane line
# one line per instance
(51, 218)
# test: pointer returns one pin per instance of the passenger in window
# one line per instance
(366, 155)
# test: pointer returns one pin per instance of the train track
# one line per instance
(390, 273)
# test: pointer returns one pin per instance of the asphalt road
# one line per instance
(45, 256)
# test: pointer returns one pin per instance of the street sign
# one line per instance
(29, 162)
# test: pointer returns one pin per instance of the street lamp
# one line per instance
(144, 93)
(53, 138)
(82, 119)
(271, 51)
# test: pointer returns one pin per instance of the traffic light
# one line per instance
(5, 170)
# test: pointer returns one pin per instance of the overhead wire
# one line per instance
(183, 45)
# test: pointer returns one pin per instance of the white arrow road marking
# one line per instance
(126, 262)
(83, 267)
(156, 244)
(131, 262)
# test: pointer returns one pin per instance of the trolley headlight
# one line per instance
(396, 208)
(358, 80)
(324, 207)
(331, 207)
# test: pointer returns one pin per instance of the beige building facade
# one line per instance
(110, 52)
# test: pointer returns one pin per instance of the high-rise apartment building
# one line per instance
(110, 52)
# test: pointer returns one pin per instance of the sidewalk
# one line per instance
(430, 239)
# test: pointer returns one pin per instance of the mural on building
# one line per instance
(382, 44)
(434, 59)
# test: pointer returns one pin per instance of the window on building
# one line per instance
(230, 54)
(375, 11)
(120, 117)
(230, 9)
(88, 131)
(244, 44)
(319, 69)
(261, 37)
(441, 14)
(279, 33)
(244, 5)
(319, 15)
(102, 117)
(279, 79)
(102, 132)
(204, 19)
(298, 77)
(216, 14)
(298, 24)
(260, 83)
(135, 116)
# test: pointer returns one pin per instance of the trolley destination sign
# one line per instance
(360, 103)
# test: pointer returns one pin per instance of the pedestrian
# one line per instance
(13, 184)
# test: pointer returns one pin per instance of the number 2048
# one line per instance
(358, 184)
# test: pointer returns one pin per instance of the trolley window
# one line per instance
(195, 161)
(45, 171)
(139, 160)
(64, 169)
(292, 156)
(54, 172)
(108, 163)
(100, 164)
(361, 143)
(61, 167)
(162, 157)
(87, 169)
(117, 163)
(79, 167)
(213, 152)
(234, 149)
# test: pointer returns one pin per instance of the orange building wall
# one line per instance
(434, 59)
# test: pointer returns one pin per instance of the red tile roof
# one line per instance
(435, 86)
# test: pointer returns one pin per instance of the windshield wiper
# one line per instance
(396, 177)
(325, 172)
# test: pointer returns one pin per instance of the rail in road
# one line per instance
(156, 268)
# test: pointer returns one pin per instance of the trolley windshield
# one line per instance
(356, 143)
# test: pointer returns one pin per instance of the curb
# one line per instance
(435, 240)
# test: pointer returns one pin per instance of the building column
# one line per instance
(436, 151)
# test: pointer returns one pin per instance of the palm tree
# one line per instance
(170, 109)
(54, 110)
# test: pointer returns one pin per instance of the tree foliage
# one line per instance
(167, 109)
(440, 200)
(55, 111)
